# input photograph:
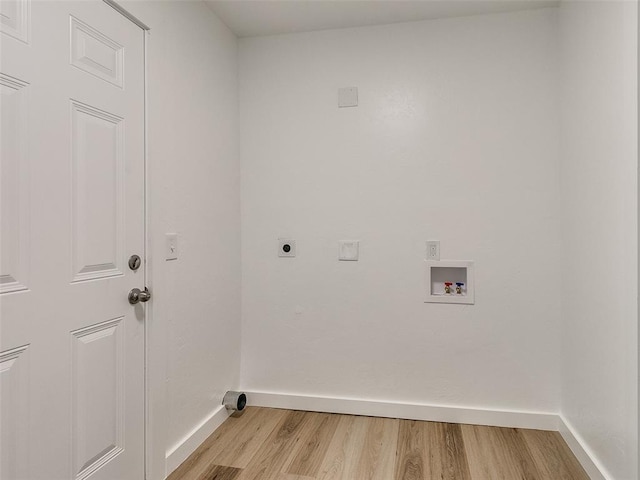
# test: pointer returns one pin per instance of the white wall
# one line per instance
(456, 139)
(450, 109)
(195, 184)
(599, 207)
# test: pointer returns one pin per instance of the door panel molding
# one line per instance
(98, 190)
(14, 189)
(15, 19)
(14, 413)
(97, 395)
(95, 53)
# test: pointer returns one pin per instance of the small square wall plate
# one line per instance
(349, 250)
(286, 247)
(458, 274)
(348, 97)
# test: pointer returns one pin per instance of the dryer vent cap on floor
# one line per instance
(234, 401)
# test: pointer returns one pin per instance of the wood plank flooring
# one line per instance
(273, 444)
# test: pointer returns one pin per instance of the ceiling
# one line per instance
(250, 18)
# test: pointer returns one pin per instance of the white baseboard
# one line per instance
(435, 413)
(185, 447)
(584, 455)
(439, 413)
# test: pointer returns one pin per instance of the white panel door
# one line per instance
(71, 214)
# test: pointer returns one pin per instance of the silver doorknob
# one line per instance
(136, 295)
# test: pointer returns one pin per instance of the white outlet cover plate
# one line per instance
(349, 250)
(171, 246)
(348, 97)
(282, 250)
(433, 250)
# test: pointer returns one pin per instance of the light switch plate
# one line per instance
(349, 250)
(171, 246)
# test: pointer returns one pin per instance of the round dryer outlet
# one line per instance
(286, 247)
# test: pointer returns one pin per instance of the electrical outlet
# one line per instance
(433, 250)
(286, 247)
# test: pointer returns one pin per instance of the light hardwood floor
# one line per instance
(273, 444)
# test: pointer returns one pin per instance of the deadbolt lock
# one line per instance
(134, 262)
